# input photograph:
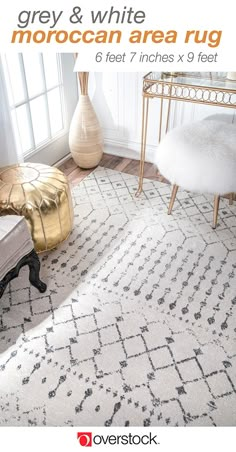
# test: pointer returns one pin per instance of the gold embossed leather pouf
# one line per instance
(42, 195)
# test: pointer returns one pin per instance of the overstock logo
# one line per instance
(87, 440)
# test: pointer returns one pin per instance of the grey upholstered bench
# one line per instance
(17, 250)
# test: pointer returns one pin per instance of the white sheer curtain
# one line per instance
(9, 153)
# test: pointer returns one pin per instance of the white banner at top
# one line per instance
(126, 35)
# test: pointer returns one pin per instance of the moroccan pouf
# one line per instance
(42, 195)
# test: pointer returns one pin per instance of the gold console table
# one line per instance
(207, 88)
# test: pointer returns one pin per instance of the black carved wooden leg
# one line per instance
(33, 262)
(34, 269)
(9, 276)
(2, 288)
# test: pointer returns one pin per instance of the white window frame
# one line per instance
(54, 148)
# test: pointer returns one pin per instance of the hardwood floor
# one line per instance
(129, 166)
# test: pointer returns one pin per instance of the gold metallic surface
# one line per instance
(198, 88)
(144, 141)
(216, 210)
(172, 199)
(42, 195)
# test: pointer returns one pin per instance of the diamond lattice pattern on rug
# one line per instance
(137, 326)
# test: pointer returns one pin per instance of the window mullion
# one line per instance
(22, 68)
(46, 96)
(62, 91)
(19, 104)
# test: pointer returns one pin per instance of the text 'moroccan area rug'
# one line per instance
(138, 325)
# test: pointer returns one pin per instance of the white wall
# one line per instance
(117, 98)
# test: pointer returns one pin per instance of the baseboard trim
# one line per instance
(130, 150)
(60, 162)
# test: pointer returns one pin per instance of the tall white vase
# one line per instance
(85, 136)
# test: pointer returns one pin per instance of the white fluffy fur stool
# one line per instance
(200, 157)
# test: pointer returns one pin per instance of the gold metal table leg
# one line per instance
(160, 122)
(168, 115)
(216, 209)
(143, 143)
(161, 114)
(144, 133)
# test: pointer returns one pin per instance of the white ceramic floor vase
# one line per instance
(85, 136)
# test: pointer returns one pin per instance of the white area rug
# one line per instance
(137, 326)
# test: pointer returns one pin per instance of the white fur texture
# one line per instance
(200, 157)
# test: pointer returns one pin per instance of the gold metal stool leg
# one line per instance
(216, 209)
(231, 199)
(143, 143)
(172, 199)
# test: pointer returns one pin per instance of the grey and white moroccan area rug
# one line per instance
(138, 325)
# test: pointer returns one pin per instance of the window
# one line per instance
(42, 92)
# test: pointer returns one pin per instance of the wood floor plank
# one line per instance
(150, 170)
(68, 166)
(105, 160)
(126, 165)
(123, 164)
(76, 175)
(113, 162)
(132, 168)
